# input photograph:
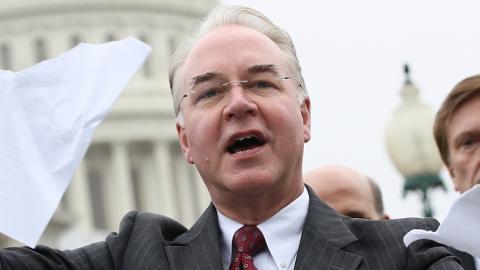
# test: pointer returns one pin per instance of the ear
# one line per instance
(305, 111)
(451, 171)
(182, 138)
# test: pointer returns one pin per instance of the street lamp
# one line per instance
(411, 147)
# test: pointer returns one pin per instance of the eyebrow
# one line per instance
(263, 68)
(255, 69)
(464, 135)
(203, 78)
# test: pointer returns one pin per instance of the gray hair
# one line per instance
(236, 15)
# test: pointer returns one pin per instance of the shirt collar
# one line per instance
(282, 231)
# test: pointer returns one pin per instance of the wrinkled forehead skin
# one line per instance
(240, 44)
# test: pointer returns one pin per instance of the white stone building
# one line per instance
(134, 161)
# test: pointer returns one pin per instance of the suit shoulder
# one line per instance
(393, 229)
(144, 224)
(384, 239)
(406, 224)
(402, 224)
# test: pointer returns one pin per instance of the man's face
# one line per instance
(463, 133)
(246, 145)
(348, 192)
(352, 202)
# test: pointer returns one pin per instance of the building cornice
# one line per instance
(22, 9)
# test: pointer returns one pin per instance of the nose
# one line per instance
(239, 104)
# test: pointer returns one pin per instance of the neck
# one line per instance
(259, 208)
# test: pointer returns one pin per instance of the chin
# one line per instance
(250, 183)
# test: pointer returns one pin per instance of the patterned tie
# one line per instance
(247, 242)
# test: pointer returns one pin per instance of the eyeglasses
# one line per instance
(214, 91)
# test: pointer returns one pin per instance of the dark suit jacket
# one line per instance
(468, 262)
(329, 241)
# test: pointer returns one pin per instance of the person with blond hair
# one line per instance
(457, 134)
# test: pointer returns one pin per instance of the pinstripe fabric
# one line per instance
(468, 261)
(332, 241)
(329, 241)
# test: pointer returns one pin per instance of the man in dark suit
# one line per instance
(457, 134)
(243, 116)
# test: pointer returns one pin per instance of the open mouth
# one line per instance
(244, 144)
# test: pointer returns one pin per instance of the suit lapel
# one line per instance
(324, 235)
(199, 247)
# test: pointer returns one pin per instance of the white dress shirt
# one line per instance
(282, 234)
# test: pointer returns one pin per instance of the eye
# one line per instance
(261, 85)
(468, 142)
(208, 93)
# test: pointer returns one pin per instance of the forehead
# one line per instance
(355, 191)
(231, 49)
(342, 188)
(465, 118)
(349, 201)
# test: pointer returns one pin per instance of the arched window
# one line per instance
(147, 66)
(95, 159)
(5, 60)
(96, 186)
(137, 187)
(172, 45)
(75, 40)
(40, 50)
(110, 37)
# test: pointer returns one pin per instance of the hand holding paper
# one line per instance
(460, 229)
(48, 114)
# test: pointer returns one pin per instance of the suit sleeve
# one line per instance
(99, 256)
(468, 262)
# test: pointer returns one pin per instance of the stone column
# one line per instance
(120, 188)
(165, 179)
(202, 190)
(93, 35)
(79, 200)
(22, 52)
(186, 188)
(150, 186)
(57, 43)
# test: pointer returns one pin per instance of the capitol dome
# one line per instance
(134, 161)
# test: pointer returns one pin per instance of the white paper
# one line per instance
(461, 227)
(48, 114)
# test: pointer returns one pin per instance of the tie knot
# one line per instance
(249, 239)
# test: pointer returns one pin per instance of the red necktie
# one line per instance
(247, 242)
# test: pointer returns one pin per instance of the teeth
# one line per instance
(245, 143)
(245, 138)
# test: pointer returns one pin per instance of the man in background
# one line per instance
(457, 134)
(347, 191)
